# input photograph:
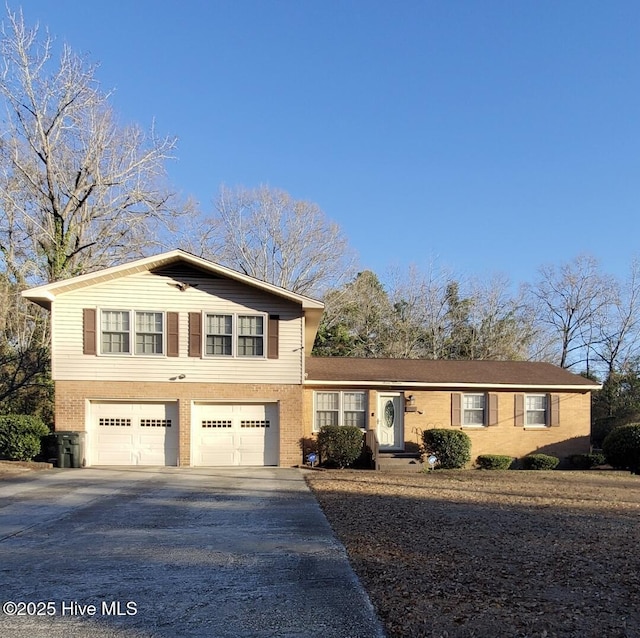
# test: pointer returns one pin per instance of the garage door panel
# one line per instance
(155, 456)
(134, 433)
(235, 434)
(117, 451)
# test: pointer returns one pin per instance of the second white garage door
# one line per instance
(235, 434)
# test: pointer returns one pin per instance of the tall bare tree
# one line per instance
(572, 300)
(618, 335)
(77, 190)
(419, 301)
(267, 234)
(503, 328)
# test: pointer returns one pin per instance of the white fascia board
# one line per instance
(414, 384)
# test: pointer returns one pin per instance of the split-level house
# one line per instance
(175, 360)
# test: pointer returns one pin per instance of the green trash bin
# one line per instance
(70, 449)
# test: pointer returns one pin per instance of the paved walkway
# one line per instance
(172, 553)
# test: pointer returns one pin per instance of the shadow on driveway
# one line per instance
(172, 552)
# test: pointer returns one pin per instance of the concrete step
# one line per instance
(399, 462)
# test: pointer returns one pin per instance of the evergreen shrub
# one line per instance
(621, 448)
(452, 448)
(340, 446)
(494, 462)
(20, 436)
(587, 461)
(540, 462)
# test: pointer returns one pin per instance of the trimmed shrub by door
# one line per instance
(621, 448)
(452, 448)
(340, 445)
(20, 436)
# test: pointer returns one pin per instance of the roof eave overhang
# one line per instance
(43, 299)
(452, 385)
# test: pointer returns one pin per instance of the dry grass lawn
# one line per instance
(475, 553)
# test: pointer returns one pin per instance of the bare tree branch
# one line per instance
(77, 190)
(266, 234)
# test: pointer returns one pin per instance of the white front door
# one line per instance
(390, 425)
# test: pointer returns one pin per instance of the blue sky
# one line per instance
(493, 136)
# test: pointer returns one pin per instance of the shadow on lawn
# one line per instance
(437, 562)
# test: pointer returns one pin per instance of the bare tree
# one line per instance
(77, 191)
(267, 234)
(572, 300)
(618, 335)
(420, 307)
(24, 354)
(502, 328)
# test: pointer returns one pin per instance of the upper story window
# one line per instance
(149, 332)
(535, 409)
(116, 332)
(250, 336)
(234, 335)
(473, 408)
(339, 408)
(219, 335)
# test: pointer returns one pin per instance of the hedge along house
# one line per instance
(175, 360)
(506, 407)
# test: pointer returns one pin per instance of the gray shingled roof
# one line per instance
(448, 373)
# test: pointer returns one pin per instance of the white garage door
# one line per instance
(134, 433)
(235, 434)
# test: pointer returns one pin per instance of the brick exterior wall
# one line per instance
(571, 436)
(296, 415)
(72, 405)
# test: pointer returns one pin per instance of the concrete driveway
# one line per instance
(173, 552)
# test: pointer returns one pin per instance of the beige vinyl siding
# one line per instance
(148, 291)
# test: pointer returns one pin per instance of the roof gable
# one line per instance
(48, 292)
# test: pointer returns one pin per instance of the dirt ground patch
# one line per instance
(9, 468)
(490, 554)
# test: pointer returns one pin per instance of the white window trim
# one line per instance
(340, 410)
(474, 426)
(132, 333)
(536, 426)
(235, 335)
